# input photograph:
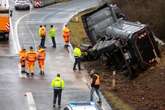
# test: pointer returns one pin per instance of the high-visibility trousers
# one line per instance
(66, 38)
(41, 64)
(22, 62)
(30, 66)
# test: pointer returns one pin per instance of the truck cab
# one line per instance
(127, 46)
(4, 19)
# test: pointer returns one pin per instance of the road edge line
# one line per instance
(30, 100)
(16, 31)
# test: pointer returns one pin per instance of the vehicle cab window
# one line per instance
(66, 108)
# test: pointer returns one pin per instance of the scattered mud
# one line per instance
(146, 92)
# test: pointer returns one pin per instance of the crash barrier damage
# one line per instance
(41, 3)
(124, 46)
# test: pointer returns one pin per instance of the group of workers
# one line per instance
(52, 34)
(58, 85)
(28, 59)
(66, 35)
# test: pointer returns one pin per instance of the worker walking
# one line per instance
(66, 36)
(22, 60)
(52, 34)
(31, 58)
(42, 34)
(41, 54)
(95, 85)
(77, 56)
(58, 86)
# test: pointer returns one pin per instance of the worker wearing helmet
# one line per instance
(31, 58)
(41, 54)
(66, 35)
(42, 34)
(77, 56)
(95, 85)
(52, 34)
(22, 60)
(57, 85)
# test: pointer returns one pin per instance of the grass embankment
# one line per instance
(79, 36)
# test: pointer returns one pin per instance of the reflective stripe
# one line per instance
(31, 56)
(97, 82)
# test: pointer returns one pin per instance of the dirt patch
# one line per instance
(146, 92)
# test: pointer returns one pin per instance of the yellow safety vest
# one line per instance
(77, 52)
(58, 83)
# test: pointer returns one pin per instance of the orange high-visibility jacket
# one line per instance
(22, 55)
(31, 56)
(66, 31)
(42, 31)
(41, 54)
(97, 82)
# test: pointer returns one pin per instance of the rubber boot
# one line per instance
(41, 73)
(27, 74)
(32, 74)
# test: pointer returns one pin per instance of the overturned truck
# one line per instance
(125, 46)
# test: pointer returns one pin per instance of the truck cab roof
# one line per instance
(108, 21)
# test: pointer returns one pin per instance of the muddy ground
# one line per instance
(146, 92)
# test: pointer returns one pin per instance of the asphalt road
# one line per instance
(25, 32)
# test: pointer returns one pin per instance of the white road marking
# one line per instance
(30, 99)
(16, 32)
(12, 35)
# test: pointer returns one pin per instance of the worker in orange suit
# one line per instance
(31, 57)
(66, 36)
(22, 60)
(41, 54)
(42, 34)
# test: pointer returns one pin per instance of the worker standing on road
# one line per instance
(77, 56)
(41, 54)
(22, 60)
(42, 34)
(52, 34)
(95, 85)
(31, 58)
(66, 36)
(58, 86)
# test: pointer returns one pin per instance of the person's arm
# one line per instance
(39, 32)
(93, 80)
(63, 84)
(55, 32)
(53, 83)
(49, 33)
